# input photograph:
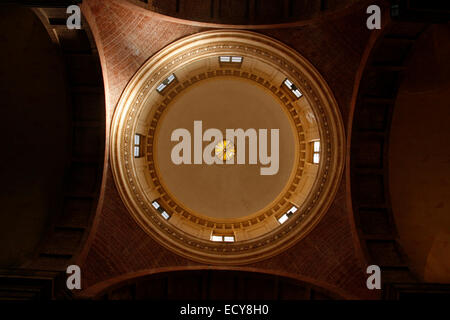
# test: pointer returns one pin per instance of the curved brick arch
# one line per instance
(367, 165)
(208, 283)
(67, 231)
(246, 13)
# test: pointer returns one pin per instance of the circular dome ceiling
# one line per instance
(227, 147)
(227, 191)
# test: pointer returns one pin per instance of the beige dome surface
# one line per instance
(224, 191)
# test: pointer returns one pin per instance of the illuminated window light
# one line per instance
(161, 210)
(230, 59)
(222, 238)
(292, 210)
(137, 146)
(170, 78)
(283, 218)
(228, 238)
(288, 83)
(316, 158)
(216, 238)
(316, 152)
(155, 204)
(316, 146)
(297, 93)
(161, 87)
(165, 215)
(165, 83)
(286, 216)
(291, 86)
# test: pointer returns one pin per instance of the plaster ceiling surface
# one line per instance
(225, 191)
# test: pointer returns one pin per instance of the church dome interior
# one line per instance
(207, 150)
